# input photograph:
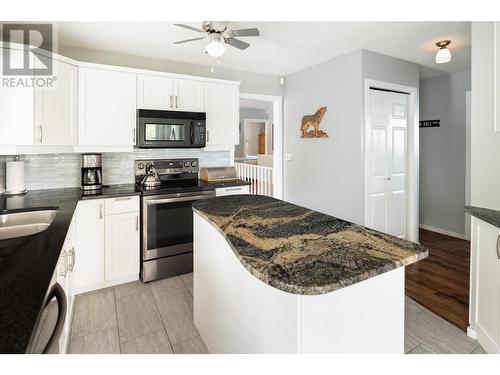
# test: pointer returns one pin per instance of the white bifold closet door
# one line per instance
(386, 148)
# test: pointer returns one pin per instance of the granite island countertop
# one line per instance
(485, 214)
(27, 266)
(301, 251)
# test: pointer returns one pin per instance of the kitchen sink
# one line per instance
(26, 223)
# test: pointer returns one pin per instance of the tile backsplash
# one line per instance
(54, 171)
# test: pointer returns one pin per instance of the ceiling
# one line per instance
(283, 47)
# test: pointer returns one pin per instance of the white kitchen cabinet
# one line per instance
(222, 108)
(16, 106)
(89, 269)
(56, 108)
(154, 92)
(107, 242)
(122, 245)
(189, 95)
(485, 284)
(232, 190)
(107, 102)
(172, 94)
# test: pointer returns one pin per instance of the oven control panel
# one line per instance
(166, 166)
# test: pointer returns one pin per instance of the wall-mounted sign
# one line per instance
(430, 124)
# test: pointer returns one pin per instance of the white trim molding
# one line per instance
(443, 231)
(412, 152)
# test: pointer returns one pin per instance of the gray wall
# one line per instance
(442, 152)
(327, 174)
(63, 170)
(254, 83)
(251, 113)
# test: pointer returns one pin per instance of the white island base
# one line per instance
(237, 313)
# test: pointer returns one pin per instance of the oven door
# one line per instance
(167, 223)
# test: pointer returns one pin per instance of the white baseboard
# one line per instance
(471, 332)
(106, 284)
(443, 231)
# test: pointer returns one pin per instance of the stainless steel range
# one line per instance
(169, 187)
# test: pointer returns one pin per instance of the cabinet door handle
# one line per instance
(171, 102)
(208, 136)
(72, 254)
(123, 199)
(176, 98)
(137, 223)
(65, 272)
(100, 211)
(133, 136)
(233, 189)
(498, 247)
(40, 136)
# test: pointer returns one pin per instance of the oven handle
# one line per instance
(179, 199)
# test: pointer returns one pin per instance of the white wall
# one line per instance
(254, 83)
(485, 143)
(443, 152)
(328, 174)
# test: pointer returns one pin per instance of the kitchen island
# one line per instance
(274, 277)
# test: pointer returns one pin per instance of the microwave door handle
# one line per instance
(180, 199)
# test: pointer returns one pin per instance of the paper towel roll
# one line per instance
(15, 176)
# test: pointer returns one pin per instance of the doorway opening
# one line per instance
(258, 157)
(441, 282)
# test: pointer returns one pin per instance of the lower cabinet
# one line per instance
(107, 242)
(232, 190)
(485, 284)
(121, 245)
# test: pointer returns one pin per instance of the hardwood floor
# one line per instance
(441, 282)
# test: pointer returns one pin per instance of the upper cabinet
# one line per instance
(56, 108)
(189, 95)
(16, 107)
(171, 94)
(222, 108)
(106, 107)
(154, 92)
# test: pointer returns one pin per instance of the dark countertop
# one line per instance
(488, 215)
(26, 268)
(226, 184)
(301, 251)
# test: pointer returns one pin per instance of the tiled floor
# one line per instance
(137, 318)
(427, 333)
(158, 318)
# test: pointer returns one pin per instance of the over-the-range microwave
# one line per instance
(170, 129)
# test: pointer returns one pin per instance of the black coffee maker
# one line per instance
(91, 172)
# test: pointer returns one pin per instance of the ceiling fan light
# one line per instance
(215, 48)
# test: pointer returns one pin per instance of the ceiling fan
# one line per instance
(219, 34)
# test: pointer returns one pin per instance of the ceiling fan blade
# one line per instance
(188, 40)
(237, 43)
(189, 27)
(245, 32)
